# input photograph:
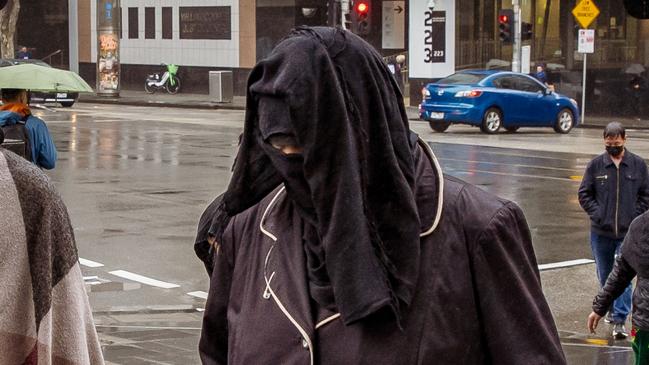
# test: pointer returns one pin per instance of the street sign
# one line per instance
(394, 20)
(585, 12)
(586, 43)
(431, 38)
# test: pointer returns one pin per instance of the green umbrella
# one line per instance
(41, 78)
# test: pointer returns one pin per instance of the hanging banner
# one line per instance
(108, 26)
(431, 38)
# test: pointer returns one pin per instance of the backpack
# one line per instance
(18, 132)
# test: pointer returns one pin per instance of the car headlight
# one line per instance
(574, 102)
(425, 93)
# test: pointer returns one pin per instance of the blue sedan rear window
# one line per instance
(462, 78)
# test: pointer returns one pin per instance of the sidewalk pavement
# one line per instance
(204, 101)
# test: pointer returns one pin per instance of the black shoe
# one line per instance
(619, 331)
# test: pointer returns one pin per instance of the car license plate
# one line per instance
(436, 115)
(61, 95)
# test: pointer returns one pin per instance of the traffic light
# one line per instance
(361, 17)
(526, 31)
(506, 25)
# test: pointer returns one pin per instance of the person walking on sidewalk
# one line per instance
(633, 261)
(341, 241)
(614, 190)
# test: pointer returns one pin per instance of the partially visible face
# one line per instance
(539, 68)
(285, 143)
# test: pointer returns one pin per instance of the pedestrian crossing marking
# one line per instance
(143, 279)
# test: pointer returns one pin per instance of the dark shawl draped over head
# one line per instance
(353, 183)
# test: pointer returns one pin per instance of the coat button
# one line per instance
(305, 344)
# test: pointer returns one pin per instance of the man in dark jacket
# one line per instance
(340, 241)
(633, 261)
(614, 190)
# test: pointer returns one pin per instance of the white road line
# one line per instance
(89, 263)
(198, 294)
(561, 264)
(143, 279)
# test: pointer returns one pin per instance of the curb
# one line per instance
(203, 106)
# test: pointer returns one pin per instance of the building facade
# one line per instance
(205, 35)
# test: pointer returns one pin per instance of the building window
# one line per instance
(133, 29)
(167, 23)
(149, 23)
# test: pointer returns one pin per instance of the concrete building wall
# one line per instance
(187, 52)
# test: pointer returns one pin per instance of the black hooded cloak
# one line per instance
(353, 183)
(364, 230)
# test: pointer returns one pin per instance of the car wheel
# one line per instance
(491, 121)
(565, 121)
(67, 104)
(439, 126)
(511, 129)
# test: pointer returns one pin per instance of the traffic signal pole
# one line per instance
(516, 49)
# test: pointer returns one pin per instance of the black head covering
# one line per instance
(353, 183)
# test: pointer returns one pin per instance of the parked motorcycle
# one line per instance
(168, 81)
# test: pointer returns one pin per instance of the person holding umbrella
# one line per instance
(16, 81)
(16, 119)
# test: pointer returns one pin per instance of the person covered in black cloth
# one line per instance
(340, 241)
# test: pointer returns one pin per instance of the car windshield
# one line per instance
(462, 78)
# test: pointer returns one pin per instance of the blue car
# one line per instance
(494, 99)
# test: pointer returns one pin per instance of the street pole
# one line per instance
(583, 92)
(73, 35)
(516, 49)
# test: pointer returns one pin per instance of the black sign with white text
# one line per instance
(435, 37)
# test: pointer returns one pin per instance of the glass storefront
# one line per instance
(615, 71)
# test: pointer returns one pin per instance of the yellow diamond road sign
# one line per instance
(585, 12)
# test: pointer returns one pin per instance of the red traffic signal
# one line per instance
(361, 8)
(506, 25)
(361, 18)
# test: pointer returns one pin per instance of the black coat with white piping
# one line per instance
(478, 298)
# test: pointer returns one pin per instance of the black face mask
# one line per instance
(614, 150)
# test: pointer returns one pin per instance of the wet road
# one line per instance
(136, 179)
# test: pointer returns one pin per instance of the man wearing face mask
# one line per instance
(614, 190)
(340, 241)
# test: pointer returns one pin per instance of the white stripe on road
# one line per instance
(143, 279)
(557, 265)
(89, 263)
(198, 294)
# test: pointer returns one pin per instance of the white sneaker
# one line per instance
(619, 331)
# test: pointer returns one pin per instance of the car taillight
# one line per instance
(425, 93)
(468, 94)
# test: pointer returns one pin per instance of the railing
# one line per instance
(50, 56)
